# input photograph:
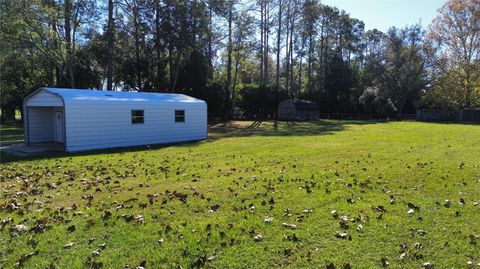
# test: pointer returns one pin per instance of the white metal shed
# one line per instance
(89, 119)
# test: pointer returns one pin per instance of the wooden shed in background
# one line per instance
(298, 109)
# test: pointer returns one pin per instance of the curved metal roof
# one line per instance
(98, 96)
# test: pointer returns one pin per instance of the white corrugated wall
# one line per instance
(93, 126)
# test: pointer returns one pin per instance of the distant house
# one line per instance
(298, 109)
(90, 119)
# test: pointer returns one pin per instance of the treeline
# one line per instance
(242, 57)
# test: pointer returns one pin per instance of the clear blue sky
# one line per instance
(382, 14)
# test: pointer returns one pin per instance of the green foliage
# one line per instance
(258, 102)
(454, 46)
(216, 50)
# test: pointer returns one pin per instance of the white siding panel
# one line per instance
(40, 124)
(44, 98)
(107, 126)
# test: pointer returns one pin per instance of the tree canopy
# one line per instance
(241, 56)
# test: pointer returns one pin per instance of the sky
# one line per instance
(382, 14)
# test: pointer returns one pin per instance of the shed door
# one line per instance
(59, 126)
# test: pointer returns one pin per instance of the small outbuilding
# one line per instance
(298, 109)
(90, 119)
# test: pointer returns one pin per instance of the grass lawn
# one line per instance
(11, 133)
(253, 197)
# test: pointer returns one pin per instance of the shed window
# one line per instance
(179, 115)
(137, 116)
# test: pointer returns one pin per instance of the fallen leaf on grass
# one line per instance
(88, 197)
(290, 226)
(106, 215)
(138, 219)
(268, 219)
(473, 239)
(71, 228)
(427, 265)
(214, 208)
(343, 235)
(380, 208)
(19, 229)
(25, 258)
(68, 245)
(307, 211)
(422, 232)
(412, 206)
(293, 238)
(334, 214)
(200, 262)
(5, 221)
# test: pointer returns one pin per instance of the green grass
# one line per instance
(11, 133)
(251, 171)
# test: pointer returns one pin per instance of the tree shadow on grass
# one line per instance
(231, 129)
(217, 131)
(10, 134)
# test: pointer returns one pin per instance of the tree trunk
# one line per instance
(68, 40)
(74, 35)
(111, 36)
(210, 48)
(265, 39)
(287, 47)
(277, 77)
(8, 114)
(310, 56)
(229, 64)
(261, 41)
(325, 58)
(292, 24)
(137, 46)
(300, 73)
(323, 63)
(171, 74)
(177, 71)
(158, 49)
(237, 62)
(400, 108)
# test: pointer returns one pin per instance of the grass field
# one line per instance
(253, 197)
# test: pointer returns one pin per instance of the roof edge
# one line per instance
(51, 90)
(42, 89)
